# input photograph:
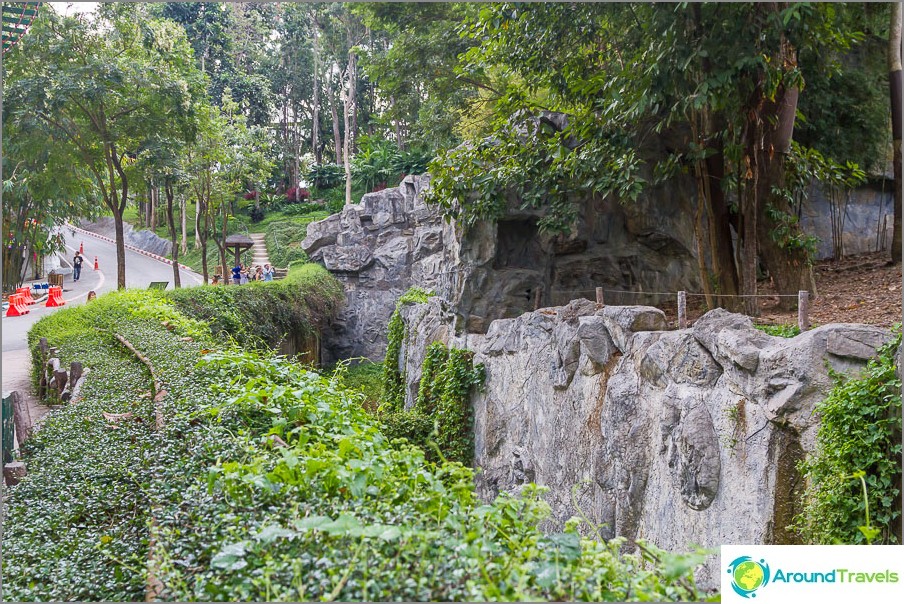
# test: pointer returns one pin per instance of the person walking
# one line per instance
(77, 267)
(268, 272)
(237, 274)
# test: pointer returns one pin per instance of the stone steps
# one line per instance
(259, 256)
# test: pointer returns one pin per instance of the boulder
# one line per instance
(677, 437)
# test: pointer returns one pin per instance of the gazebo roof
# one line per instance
(240, 242)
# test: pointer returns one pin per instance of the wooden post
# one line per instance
(803, 310)
(537, 295)
(21, 417)
(75, 372)
(599, 296)
(682, 310)
(14, 472)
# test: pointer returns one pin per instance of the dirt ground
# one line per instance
(858, 289)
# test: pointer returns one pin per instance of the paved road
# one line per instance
(140, 271)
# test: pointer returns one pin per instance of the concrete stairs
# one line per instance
(259, 255)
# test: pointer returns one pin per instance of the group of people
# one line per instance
(242, 274)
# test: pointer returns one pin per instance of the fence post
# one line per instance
(803, 310)
(599, 296)
(682, 309)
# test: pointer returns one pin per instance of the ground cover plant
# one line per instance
(859, 438)
(268, 481)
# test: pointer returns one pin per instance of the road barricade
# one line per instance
(26, 295)
(55, 297)
(17, 306)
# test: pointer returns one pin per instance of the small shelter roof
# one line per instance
(240, 242)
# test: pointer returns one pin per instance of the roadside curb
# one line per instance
(129, 247)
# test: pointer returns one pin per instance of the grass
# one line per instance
(366, 378)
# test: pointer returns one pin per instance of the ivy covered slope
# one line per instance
(860, 436)
(267, 481)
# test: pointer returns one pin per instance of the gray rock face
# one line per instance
(868, 218)
(392, 240)
(378, 248)
(677, 437)
(144, 239)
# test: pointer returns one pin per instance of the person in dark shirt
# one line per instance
(76, 266)
(237, 274)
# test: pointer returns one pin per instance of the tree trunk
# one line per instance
(183, 208)
(197, 224)
(786, 259)
(894, 80)
(315, 118)
(337, 134)
(722, 250)
(120, 248)
(350, 112)
(171, 225)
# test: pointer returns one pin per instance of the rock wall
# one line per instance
(687, 437)
(392, 240)
(378, 249)
(144, 239)
(868, 218)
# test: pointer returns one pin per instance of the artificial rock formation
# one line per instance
(393, 240)
(676, 437)
(377, 248)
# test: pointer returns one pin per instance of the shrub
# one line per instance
(860, 432)
(327, 176)
(270, 482)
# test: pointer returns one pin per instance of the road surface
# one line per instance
(140, 271)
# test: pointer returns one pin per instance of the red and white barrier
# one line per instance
(129, 247)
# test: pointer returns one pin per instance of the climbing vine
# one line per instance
(393, 378)
(860, 435)
(447, 377)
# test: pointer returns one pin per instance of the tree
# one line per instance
(104, 87)
(41, 192)
(623, 75)
(895, 84)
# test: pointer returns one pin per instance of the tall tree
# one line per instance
(624, 74)
(104, 86)
(895, 84)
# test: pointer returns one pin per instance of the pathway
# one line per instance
(140, 271)
(259, 255)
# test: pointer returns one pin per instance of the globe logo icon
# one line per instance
(748, 575)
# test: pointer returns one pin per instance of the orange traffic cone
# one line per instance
(96, 266)
(81, 248)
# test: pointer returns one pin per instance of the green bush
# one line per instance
(860, 431)
(366, 378)
(393, 379)
(263, 313)
(327, 176)
(782, 331)
(269, 482)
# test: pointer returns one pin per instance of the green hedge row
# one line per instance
(269, 482)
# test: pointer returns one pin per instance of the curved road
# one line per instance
(140, 271)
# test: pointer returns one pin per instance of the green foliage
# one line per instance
(330, 510)
(393, 379)
(447, 377)
(263, 313)
(365, 377)
(327, 176)
(859, 435)
(783, 331)
(380, 162)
